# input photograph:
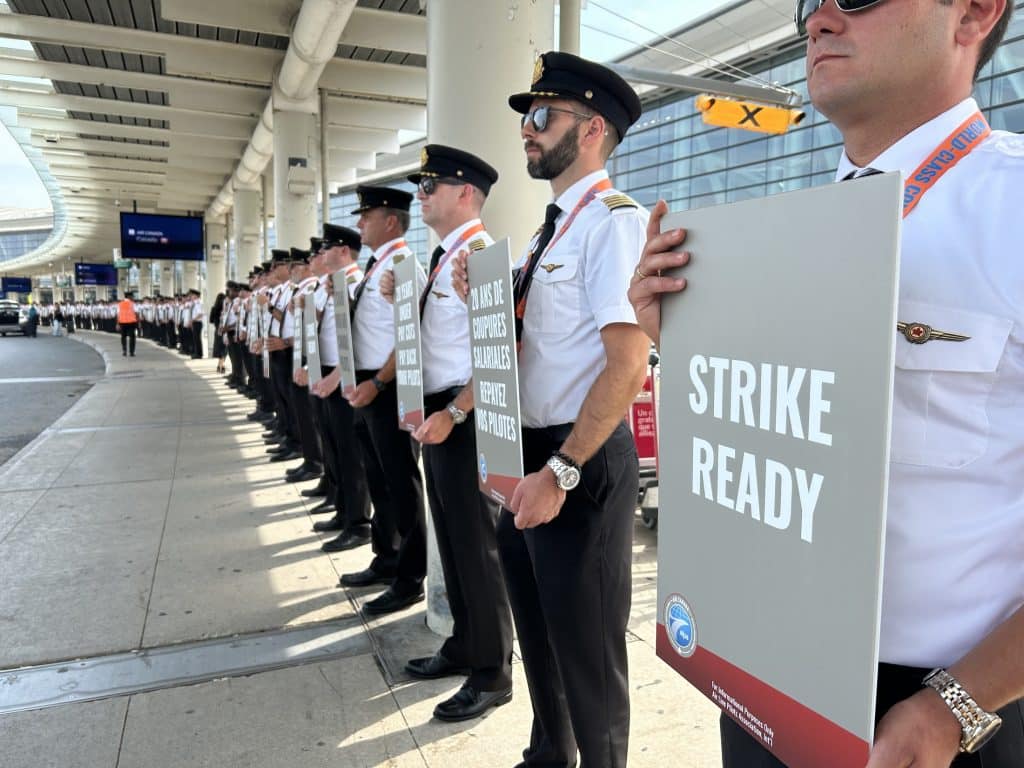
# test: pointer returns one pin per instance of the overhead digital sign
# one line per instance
(95, 274)
(16, 284)
(152, 236)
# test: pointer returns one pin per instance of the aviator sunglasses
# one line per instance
(806, 8)
(428, 184)
(539, 117)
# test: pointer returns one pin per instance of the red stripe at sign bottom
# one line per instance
(413, 420)
(498, 488)
(797, 735)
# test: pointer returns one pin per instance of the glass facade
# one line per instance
(670, 153)
(15, 244)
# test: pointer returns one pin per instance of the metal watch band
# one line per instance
(972, 718)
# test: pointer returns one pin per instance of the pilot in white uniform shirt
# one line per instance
(954, 559)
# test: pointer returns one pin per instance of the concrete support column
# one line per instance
(145, 278)
(246, 220)
(190, 276)
(168, 278)
(479, 53)
(296, 139)
(569, 26)
(216, 263)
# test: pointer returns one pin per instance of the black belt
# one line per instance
(438, 401)
(559, 432)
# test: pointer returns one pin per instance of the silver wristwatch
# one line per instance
(567, 472)
(458, 415)
(976, 725)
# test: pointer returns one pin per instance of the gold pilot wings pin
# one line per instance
(549, 268)
(919, 333)
(440, 295)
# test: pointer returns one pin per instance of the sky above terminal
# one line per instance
(601, 39)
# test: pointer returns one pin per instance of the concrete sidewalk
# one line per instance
(148, 516)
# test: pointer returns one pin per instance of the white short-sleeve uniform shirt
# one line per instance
(444, 328)
(579, 288)
(954, 559)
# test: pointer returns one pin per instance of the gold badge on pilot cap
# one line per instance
(424, 157)
(538, 70)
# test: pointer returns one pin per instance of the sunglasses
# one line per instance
(539, 117)
(806, 8)
(428, 184)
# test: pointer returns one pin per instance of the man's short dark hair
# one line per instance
(995, 37)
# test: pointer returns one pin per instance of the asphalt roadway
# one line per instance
(40, 379)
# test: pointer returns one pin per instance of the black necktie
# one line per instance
(522, 282)
(362, 286)
(435, 259)
(860, 173)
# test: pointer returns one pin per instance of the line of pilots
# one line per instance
(559, 559)
(173, 322)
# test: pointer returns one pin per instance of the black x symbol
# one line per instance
(750, 115)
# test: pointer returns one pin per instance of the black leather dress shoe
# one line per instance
(320, 489)
(365, 578)
(310, 473)
(289, 455)
(347, 540)
(280, 448)
(324, 506)
(431, 667)
(468, 703)
(334, 524)
(390, 601)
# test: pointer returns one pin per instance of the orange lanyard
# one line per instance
(384, 257)
(959, 144)
(476, 229)
(587, 199)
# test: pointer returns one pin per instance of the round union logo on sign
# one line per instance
(483, 468)
(679, 623)
(401, 411)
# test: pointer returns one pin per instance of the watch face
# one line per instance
(570, 478)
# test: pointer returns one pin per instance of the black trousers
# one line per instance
(235, 351)
(895, 683)
(186, 340)
(128, 337)
(264, 386)
(248, 366)
(465, 522)
(281, 377)
(351, 490)
(569, 582)
(197, 339)
(318, 412)
(391, 457)
(312, 455)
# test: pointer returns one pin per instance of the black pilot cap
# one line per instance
(559, 75)
(443, 162)
(381, 197)
(335, 236)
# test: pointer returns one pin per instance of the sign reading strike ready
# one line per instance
(777, 365)
(408, 354)
(311, 339)
(492, 333)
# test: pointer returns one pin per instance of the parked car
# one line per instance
(12, 319)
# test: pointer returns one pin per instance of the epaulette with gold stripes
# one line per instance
(477, 245)
(619, 200)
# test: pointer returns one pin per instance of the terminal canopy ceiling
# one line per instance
(154, 102)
